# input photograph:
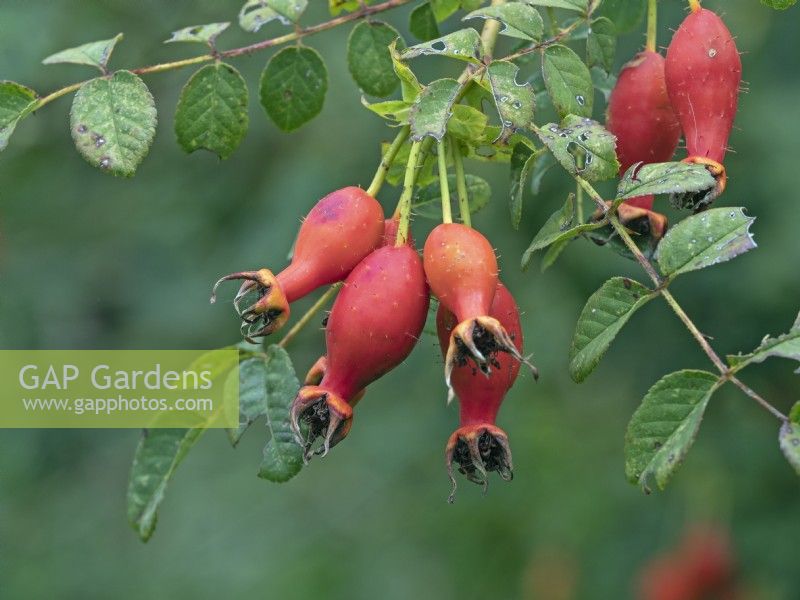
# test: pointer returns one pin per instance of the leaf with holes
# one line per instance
(369, 59)
(605, 314)
(94, 54)
(664, 178)
(625, 14)
(519, 20)
(428, 201)
(583, 147)
(205, 34)
(664, 427)
(514, 101)
(783, 346)
(579, 5)
(256, 13)
(522, 161)
(283, 456)
(705, 239)
(391, 110)
(422, 23)
(293, 87)
(433, 109)
(16, 102)
(568, 81)
(113, 122)
(601, 44)
(212, 111)
(464, 44)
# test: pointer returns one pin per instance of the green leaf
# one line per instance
(293, 87)
(553, 253)
(283, 456)
(250, 385)
(789, 436)
(16, 102)
(428, 201)
(579, 5)
(664, 178)
(408, 81)
(664, 427)
(422, 23)
(369, 60)
(604, 315)
(514, 101)
(559, 229)
(392, 110)
(705, 239)
(779, 4)
(601, 45)
(338, 6)
(540, 168)
(603, 82)
(442, 9)
(519, 20)
(433, 109)
(113, 122)
(397, 169)
(568, 81)
(467, 123)
(256, 13)
(158, 454)
(625, 14)
(212, 111)
(522, 161)
(94, 54)
(583, 147)
(464, 44)
(783, 346)
(205, 34)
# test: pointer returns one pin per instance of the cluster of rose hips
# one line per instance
(379, 314)
(694, 92)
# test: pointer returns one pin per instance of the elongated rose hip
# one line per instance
(703, 73)
(462, 271)
(341, 229)
(374, 324)
(641, 117)
(478, 446)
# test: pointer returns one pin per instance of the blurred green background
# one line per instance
(90, 261)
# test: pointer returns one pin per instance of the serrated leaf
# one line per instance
(422, 23)
(250, 385)
(664, 178)
(779, 4)
(94, 54)
(568, 81)
(522, 161)
(558, 229)
(256, 13)
(605, 314)
(433, 109)
(158, 454)
(16, 102)
(205, 34)
(113, 122)
(705, 239)
(428, 201)
(467, 123)
(579, 5)
(519, 20)
(464, 44)
(293, 87)
(283, 456)
(664, 427)
(583, 147)
(369, 60)
(514, 101)
(409, 84)
(783, 346)
(625, 14)
(212, 111)
(601, 44)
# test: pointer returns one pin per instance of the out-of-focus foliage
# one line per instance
(89, 261)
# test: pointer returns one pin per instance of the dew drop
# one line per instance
(580, 100)
(712, 52)
(82, 129)
(105, 162)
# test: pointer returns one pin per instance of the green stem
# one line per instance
(404, 206)
(489, 33)
(444, 186)
(579, 203)
(461, 185)
(652, 23)
(386, 162)
(309, 314)
(363, 12)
